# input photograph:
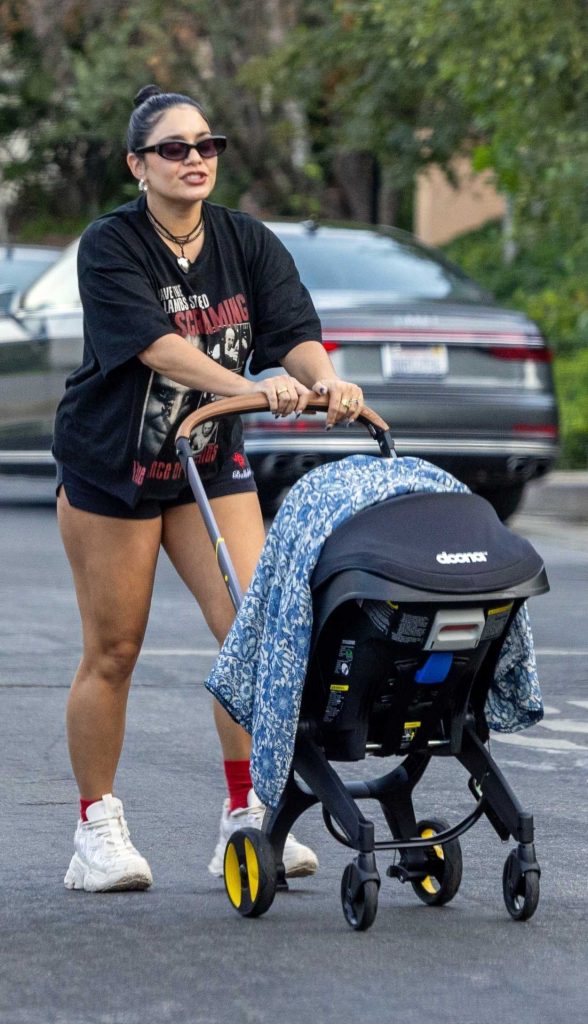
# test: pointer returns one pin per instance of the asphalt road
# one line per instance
(179, 953)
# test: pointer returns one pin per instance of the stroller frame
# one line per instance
(430, 855)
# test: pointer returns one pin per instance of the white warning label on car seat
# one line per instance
(411, 629)
(339, 688)
(345, 657)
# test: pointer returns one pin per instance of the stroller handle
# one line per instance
(249, 403)
(377, 427)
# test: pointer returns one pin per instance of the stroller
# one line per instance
(407, 631)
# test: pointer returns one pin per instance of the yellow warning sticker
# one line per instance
(412, 725)
(342, 687)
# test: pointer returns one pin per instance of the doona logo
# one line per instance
(461, 556)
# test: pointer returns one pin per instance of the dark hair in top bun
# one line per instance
(146, 93)
(150, 103)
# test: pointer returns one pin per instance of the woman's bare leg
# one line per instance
(189, 547)
(113, 564)
(185, 539)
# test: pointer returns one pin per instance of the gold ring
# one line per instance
(282, 391)
(345, 403)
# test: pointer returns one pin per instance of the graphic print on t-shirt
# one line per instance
(224, 333)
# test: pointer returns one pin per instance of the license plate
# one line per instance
(414, 360)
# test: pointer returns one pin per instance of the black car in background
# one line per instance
(461, 382)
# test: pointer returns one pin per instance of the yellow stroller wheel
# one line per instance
(250, 872)
(441, 885)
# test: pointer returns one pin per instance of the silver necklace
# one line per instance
(180, 240)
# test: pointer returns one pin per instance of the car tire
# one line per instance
(270, 499)
(505, 500)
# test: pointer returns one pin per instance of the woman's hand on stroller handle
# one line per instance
(345, 400)
(284, 394)
(258, 402)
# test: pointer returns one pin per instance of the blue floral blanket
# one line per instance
(260, 671)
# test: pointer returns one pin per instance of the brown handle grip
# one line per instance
(259, 402)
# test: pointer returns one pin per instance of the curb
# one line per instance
(563, 494)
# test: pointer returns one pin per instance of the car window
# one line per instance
(332, 260)
(58, 286)
(328, 259)
(20, 273)
(17, 273)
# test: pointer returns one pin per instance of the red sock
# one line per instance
(238, 783)
(84, 804)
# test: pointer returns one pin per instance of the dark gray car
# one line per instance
(462, 382)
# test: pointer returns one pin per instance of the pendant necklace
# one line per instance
(180, 240)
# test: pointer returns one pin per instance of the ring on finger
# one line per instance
(345, 403)
(282, 391)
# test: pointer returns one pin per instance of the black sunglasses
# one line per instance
(214, 145)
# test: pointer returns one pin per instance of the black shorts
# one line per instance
(234, 476)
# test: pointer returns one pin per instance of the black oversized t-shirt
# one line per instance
(117, 421)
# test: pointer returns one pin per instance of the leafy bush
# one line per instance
(571, 382)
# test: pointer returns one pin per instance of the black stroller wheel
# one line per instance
(521, 891)
(445, 866)
(359, 899)
(250, 872)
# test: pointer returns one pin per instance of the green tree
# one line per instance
(517, 75)
(331, 108)
(64, 98)
(71, 68)
(373, 121)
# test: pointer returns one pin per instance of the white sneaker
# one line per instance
(299, 860)
(105, 859)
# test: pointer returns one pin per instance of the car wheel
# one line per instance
(505, 500)
(270, 498)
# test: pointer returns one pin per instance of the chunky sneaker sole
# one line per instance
(300, 865)
(82, 876)
(105, 859)
(299, 861)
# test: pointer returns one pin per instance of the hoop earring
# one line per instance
(142, 185)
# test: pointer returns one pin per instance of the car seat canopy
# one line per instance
(450, 543)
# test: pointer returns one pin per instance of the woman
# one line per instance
(168, 283)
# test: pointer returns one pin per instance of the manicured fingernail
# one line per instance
(329, 426)
(297, 415)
